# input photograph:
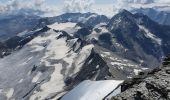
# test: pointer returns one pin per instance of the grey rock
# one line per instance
(154, 86)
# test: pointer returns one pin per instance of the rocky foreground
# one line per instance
(153, 86)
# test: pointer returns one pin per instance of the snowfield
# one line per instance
(92, 90)
(62, 26)
(39, 66)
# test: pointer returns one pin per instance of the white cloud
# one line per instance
(39, 3)
(14, 6)
(42, 7)
(125, 3)
(144, 2)
(130, 4)
(77, 5)
(141, 1)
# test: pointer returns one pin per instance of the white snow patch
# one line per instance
(70, 59)
(83, 19)
(145, 68)
(57, 47)
(150, 35)
(102, 55)
(53, 85)
(137, 71)
(70, 31)
(22, 33)
(84, 53)
(116, 59)
(92, 16)
(100, 25)
(77, 46)
(10, 93)
(90, 61)
(97, 66)
(95, 35)
(118, 63)
(37, 43)
(35, 79)
(29, 59)
(107, 53)
(29, 73)
(21, 80)
(24, 63)
(121, 67)
(62, 26)
(115, 92)
(92, 90)
(123, 64)
(72, 42)
(38, 48)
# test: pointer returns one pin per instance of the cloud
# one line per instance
(77, 5)
(18, 6)
(126, 4)
(39, 3)
(44, 8)
(144, 2)
(141, 1)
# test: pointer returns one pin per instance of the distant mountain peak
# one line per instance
(125, 12)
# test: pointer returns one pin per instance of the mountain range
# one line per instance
(73, 55)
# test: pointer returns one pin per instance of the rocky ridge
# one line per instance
(153, 86)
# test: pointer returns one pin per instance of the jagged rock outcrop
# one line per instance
(155, 86)
(143, 38)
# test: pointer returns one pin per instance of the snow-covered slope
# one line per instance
(54, 62)
(41, 64)
(92, 90)
(62, 26)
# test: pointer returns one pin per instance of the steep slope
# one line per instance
(92, 90)
(154, 86)
(143, 38)
(41, 63)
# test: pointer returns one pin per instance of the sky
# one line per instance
(55, 7)
(58, 2)
(52, 6)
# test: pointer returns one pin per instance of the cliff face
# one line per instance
(154, 86)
